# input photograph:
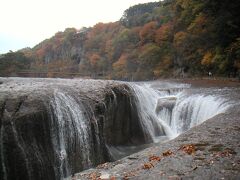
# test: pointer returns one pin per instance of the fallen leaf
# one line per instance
(189, 149)
(130, 174)
(147, 165)
(167, 153)
(154, 158)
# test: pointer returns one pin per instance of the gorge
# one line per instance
(54, 128)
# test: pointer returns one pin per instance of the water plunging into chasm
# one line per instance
(163, 114)
(192, 110)
(152, 125)
(52, 129)
(170, 111)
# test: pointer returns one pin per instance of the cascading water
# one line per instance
(69, 123)
(164, 113)
(152, 125)
(190, 111)
(169, 112)
(67, 126)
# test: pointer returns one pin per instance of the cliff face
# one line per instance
(25, 143)
(122, 125)
(67, 45)
(51, 129)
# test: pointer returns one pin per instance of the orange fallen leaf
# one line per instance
(147, 165)
(167, 153)
(189, 149)
(154, 158)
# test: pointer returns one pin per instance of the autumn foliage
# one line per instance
(159, 39)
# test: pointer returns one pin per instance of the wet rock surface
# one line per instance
(208, 151)
(30, 147)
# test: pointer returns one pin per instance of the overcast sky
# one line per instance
(24, 23)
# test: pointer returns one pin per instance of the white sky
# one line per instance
(25, 23)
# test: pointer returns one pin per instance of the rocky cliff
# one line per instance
(207, 151)
(54, 128)
(51, 129)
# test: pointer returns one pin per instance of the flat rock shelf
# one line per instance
(215, 155)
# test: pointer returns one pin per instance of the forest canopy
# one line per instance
(171, 38)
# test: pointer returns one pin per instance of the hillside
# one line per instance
(171, 38)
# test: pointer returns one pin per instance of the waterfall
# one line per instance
(51, 129)
(71, 131)
(146, 100)
(171, 111)
(163, 113)
(192, 110)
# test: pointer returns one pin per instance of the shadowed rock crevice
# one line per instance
(121, 125)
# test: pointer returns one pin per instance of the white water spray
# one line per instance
(71, 125)
(152, 125)
(170, 112)
(190, 111)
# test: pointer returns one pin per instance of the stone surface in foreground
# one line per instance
(208, 151)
